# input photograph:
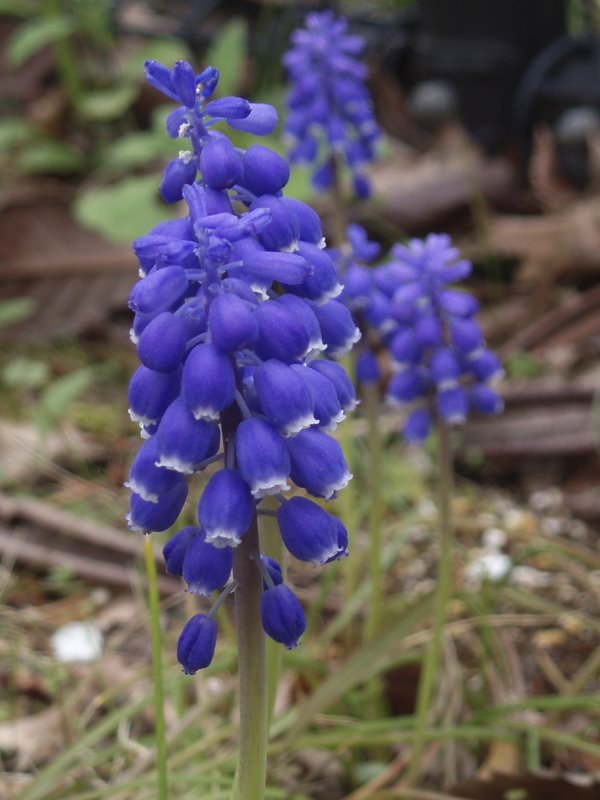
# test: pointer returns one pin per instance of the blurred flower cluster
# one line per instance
(408, 307)
(330, 120)
(232, 311)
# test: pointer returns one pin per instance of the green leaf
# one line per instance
(25, 373)
(12, 311)
(56, 399)
(50, 156)
(33, 36)
(16, 131)
(105, 104)
(123, 211)
(228, 54)
(137, 150)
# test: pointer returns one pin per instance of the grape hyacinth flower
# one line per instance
(408, 307)
(330, 113)
(233, 311)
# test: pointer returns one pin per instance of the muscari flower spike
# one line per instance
(408, 307)
(330, 113)
(233, 312)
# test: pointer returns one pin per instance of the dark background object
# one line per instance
(482, 50)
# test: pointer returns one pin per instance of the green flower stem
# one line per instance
(373, 619)
(159, 725)
(271, 544)
(251, 772)
(431, 663)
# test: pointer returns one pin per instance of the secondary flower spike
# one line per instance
(233, 314)
(408, 307)
(330, 113)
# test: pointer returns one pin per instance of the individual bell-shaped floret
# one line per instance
(308, 222)
(262, 457)
(406, 385)
(196, 645)
(208, 381)
(282, 615)
(175, 549)
(326, 405)
(445, 368)
(264, 171)
(184, 442)
(282, 334)
(159, 290)
(318, 463)
(206, 568)
(151, 393)
(306, 315)
(453, 405)
(308, 531)
(367, 368)
(220, 164)
(177, 174)
(485, 365)
(484, 399)
(282, 232)
(466, 335)
(417, 426)
(232, 323)
(158, 515)
(404, 347)
(283, 397)
(146, 478)
(322, 284)
(273, 569)
(338, 329)
(262, 120)
(226, 508)
(162, 343)
(184, 82)
(428, 330)
(342, 384)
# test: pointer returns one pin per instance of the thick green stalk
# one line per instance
(159, 724)
(271, 544)
(432, 662)
(254, 721)
(373, 619)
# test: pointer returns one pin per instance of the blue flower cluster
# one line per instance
(408, 307)
(330, 120)
(232, 309)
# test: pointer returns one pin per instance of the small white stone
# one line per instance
(490, 566)
(494, 539)
(77, 641)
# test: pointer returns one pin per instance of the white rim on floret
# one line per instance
(324, 557)
(145, 421)
(330, 294)
(132, 526)
(334, 421)
(347, 346)
(204, 412)
(133, 337)
(137, 488)
(175, 464)
(223, 537)
(298, 424)
(199, 589)
(269, 486)
(337, 486)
